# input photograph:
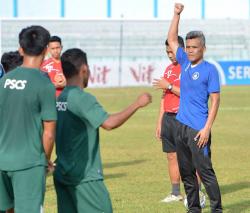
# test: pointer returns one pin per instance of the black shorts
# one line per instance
(169, 132)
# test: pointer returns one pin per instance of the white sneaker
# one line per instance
(172, 198)
(202, 200)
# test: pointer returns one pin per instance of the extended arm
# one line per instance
(117, 119)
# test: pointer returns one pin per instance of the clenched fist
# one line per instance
(178, 8)
(144, 99)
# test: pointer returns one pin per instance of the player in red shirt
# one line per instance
(166, 130)
(53, 65)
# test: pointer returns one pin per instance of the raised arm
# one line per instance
(173, 29)
(117, 119)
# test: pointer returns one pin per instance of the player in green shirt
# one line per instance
(78, 176)
(27, 127)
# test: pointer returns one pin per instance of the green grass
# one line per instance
(136, 169)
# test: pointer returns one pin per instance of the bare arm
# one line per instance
(176, 90)
(163, 84)
(158, 126)
(203, 134)
(173, 30)
(215, 102)
(117, 119)
(48, 137)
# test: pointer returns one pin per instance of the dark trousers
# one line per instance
(191, 158)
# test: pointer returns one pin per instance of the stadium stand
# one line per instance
(226, 39)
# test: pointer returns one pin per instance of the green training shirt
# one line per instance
(27, 98)
(77, 138)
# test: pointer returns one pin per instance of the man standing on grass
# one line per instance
(199, 81)
(166, 130)
(27, 127)
(78, 176)
(53, 65)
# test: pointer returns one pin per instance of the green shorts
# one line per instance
(87, 197)
(23, 189)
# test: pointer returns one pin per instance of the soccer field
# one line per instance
(136, 170)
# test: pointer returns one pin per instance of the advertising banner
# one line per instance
(233, 72)
(141, 72)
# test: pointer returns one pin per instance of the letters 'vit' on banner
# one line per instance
(138, 72)
(141, 72)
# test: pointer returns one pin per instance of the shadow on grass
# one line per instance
(119, 164)
(50, 187)
(110, 176)
(240, 207)
(125, 163)
(226, 189)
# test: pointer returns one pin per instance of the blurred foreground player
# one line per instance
(27, 133)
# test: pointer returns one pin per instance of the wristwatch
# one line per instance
(170, 87)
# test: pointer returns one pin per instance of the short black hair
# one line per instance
(55, 39)
(34, 40)
(72, 60)
(197, 34)
(10, 60)
(180, 42)
(2, 71)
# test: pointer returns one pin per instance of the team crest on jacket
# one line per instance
(195, 76)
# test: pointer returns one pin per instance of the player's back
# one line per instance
(21, 92)
(77, 138)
